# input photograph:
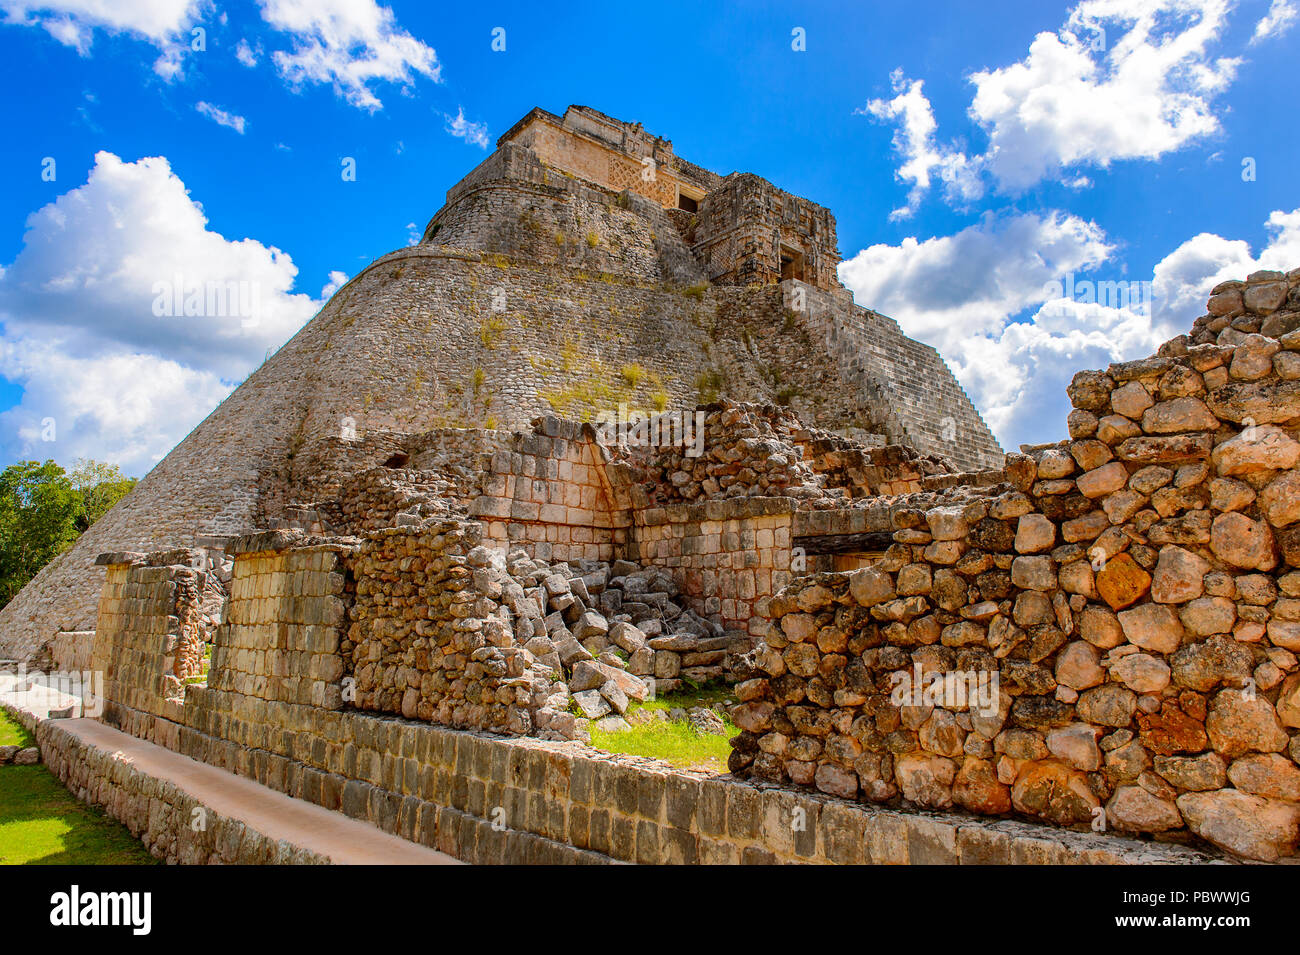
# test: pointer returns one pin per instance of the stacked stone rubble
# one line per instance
(1134, 591)
(733, 450)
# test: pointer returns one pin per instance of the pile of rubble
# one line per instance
(445, 629)
(611, 633)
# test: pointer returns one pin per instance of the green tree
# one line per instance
(39, 512)
(100, 486)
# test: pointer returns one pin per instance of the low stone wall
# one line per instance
(432, 633)
(1130, 595)
(156, 811)
(488, 799)
(548, 494)
(285, 619)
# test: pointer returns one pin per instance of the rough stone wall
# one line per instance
(431, 635)
(374, 498)
(569, 225)
(725, 451)
(560, 802)
(727, 556)
(1134, 590)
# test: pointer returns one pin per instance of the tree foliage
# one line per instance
(43, 510)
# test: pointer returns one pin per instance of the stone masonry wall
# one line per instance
(155, 811)
(547, 492)
(1134, 591)
(431, 634)
(147, 639)
(282, 639)
(560, 802)
(728, 557)
(744, 223)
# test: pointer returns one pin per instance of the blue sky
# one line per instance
(980, 160)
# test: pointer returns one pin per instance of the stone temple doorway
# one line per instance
(792, 264)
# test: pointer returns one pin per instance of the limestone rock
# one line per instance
(1152, 627)
(1239, 722)
(1054, 792)
(1266, 774)
(1121, 582)
(1250, 826)
(1133, 809)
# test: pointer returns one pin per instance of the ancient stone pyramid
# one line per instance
(582, 266)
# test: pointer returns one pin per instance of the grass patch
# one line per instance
(673, 741)
(41, 823)
(708, 385)
(12, 733)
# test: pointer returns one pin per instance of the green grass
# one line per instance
(41, 823)
(673, 741)
(12, 732)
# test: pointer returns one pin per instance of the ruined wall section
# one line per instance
(728, 557)
(547, 492)
(746, 225)
(148, 638)
(610, 153)
(285, 619)
(431, 635)
(1135, 591)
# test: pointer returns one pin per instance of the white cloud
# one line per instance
(74, 22)
(474, 133)
(336, 281)
(1148, 93)
(349, 44)
(221, 117)
(246, 54)
(914, 141)
(83, 333)
(983, 297)
(1280, 18)
(1123, 80)
(949, 287)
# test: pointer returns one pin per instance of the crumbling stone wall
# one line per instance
(1133, 590)
(150, 631)
(609, 152)
(430, 635)
(729, 556)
